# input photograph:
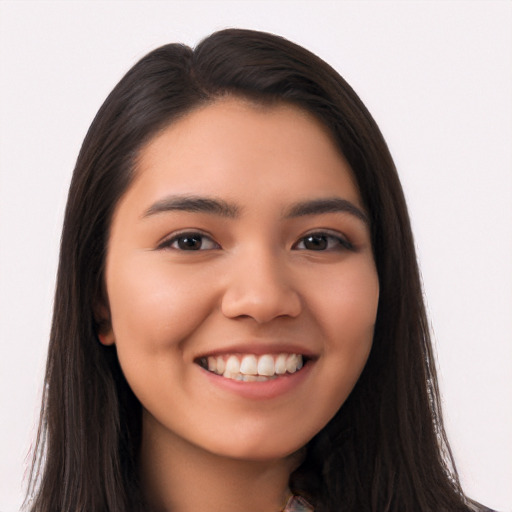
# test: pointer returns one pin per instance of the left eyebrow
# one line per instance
(195, 204)
(325, 205)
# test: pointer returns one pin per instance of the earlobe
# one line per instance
(106, 338)
(104, 329)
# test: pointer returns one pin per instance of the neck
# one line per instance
(178, 476)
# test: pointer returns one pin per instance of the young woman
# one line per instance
(238, 321)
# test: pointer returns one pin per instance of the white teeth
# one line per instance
(252, 368)
(292, 362)
(280, 364)
(212, 364)
(249, 365)
(266, 365)
(221, 365)
(233, 365)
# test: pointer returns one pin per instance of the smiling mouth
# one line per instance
(253, 368)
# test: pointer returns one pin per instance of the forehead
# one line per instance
(234, 146)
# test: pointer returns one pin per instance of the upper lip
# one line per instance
(258, 349)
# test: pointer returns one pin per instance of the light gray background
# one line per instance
(436, 75)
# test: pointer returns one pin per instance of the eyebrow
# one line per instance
(325, 205)
(193, 204)
(200, 204)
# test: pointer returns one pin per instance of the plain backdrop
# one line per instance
(436, 75)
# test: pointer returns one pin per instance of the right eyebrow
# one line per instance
(326, 205)
(193, 204)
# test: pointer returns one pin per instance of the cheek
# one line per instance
(152, 307)
(347, 305)
(346, 313)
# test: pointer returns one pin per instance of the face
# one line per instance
(242, 291)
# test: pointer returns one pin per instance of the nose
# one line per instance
(260, 287)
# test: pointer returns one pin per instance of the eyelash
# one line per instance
(340, 243)
(168, 244)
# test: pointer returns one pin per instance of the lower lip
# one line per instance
(260, 390)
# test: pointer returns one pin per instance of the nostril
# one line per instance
(261, 303)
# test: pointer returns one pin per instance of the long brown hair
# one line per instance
(386, 449)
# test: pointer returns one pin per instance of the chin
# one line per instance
(258, 449)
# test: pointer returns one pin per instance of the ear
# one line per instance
(103, 323)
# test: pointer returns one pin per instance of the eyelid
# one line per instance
(167, 242)
(344, 242)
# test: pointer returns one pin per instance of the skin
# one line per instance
(255, 285)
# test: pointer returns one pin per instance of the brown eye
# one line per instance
(190, 242)
(323, 242)
(315, 242)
